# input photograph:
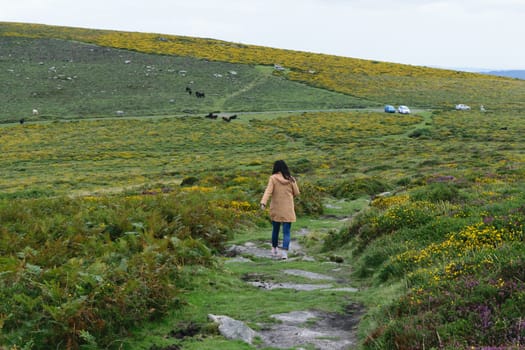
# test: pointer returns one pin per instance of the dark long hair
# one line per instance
(280, 167)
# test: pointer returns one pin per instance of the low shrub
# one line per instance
(369, 262)
(301, 166)
(421, 132)
(436, 192)
(465, 287)
(408, 215)
(32, 193)
(310, 201)
(360, 231)
(483, 307)
(373, 223)
(79, 269)
(355, 188)
(189, 181)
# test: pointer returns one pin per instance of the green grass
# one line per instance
(373, 83)
(105, 155)
(77, 192)
(73, 80)
(345, 156)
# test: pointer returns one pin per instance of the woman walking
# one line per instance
(282, 188)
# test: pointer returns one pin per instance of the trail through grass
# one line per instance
(230, 290)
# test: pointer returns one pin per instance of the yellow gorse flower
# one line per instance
(386, 202)
(471, 238)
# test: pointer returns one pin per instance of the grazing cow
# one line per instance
(226, 119)
(35, 111)
(188, 90)
(199, 94)
(233, 116)
(22, 121)
(211, 116)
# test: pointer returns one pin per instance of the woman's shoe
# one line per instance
(274, 251)
(284, 254)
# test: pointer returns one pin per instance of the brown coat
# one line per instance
(282, 192)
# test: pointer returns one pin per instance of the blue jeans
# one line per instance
(276, 226)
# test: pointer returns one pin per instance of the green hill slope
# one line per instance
(66, 79)
(366, 83)
(107, 224)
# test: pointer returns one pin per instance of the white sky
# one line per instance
(479, 34)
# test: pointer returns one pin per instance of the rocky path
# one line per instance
(298, 329)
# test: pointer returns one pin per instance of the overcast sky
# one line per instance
(481, 34)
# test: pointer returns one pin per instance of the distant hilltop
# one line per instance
(520, 74)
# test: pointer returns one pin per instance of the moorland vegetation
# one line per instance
(365, 83)
(110, 222)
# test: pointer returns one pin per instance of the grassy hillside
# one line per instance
(74, 157)
(379, 82)
(108, 224)
(79, 198)
(68, 79)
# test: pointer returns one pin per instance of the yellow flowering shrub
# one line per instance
(389, 201)
(198, 189)
(471, 238)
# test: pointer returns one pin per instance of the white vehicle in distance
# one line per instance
(403, 110)
(462, 107)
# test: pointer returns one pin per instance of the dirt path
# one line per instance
(301, 329)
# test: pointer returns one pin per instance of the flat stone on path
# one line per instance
(295, 317)
(238, 259)
(308, 329)
(342, 289)
(323, 330)
(264, 251)
(248, 249)
(285, 285)
(309, 275)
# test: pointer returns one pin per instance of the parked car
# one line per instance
(462, 107)
(403, 110)
(390, 109)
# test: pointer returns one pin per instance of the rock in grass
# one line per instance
(233, 329)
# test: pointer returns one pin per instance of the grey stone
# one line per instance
(233, 329)
(343, 289)
(309, 275)
(327, 331)
(295, 317)
(294, 286)
(238, 259)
